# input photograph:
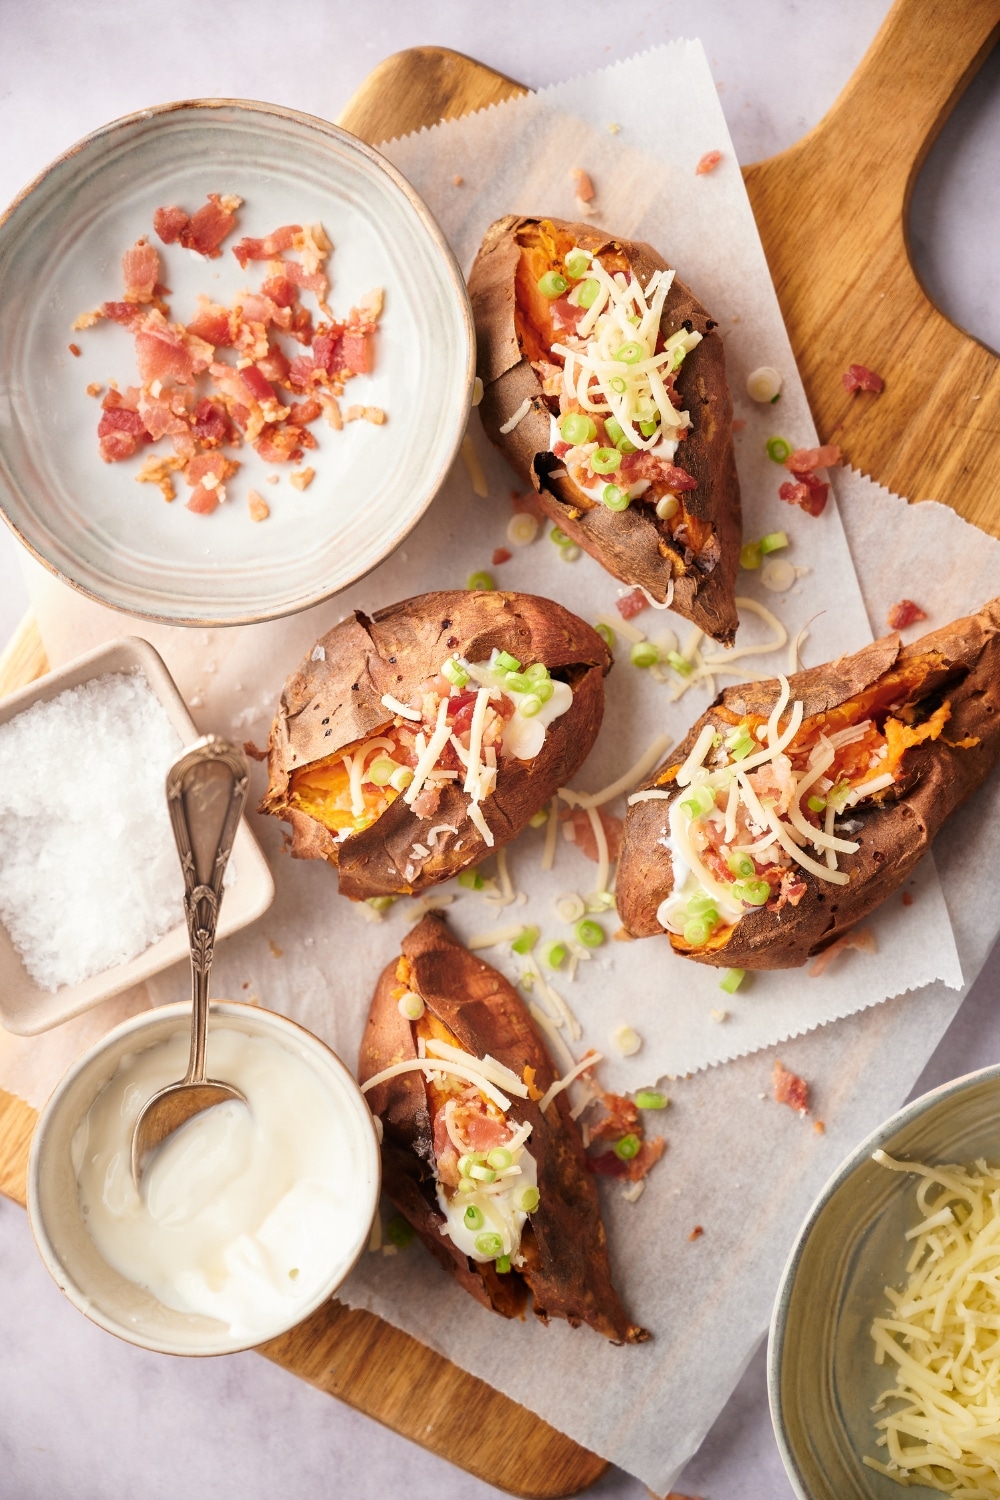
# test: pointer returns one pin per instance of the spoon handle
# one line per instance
(206, 795)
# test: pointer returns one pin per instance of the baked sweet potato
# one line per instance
(891, 740)
(436, 1133)
(678, 536)
(511, 682)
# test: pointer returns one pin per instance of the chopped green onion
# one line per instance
(577, 264)
(630, 353)
(526, 940)
(575, 428)
(543, 691)
(697, 932)
(474, 1217)
(613, 428)
(471, 880)
(480, 581)
(618, 384)
(504, 662)
(773, 542)
(589, 292)
(750, 556)
(411, 1006)
(753, 892)
(651, 1099)
(605, 460)
(615, 498)
(731, 980)
(647, 428)
(679, 663)
(740, 864)
(401, 778)
(700, 801)
(590, 934)
(455, 672)
(502, 1265)
(482, 1173)
(700, 903)
(552, 285)
(537, 673)
(554, 955)
(627, 1148)
(466, 1185)
(778, 449)
(380, 903)
(569, 553)
(560, 538)
(644, 654)
(530, 705)
(816, 804)
(470, 1159)
(604, 631)
(399, 1231)
(680, 355)
(380, 770)
(776, 399)
(538, 819)
(489, 1244)
(500, 1158)
(527, 1200)
(516, 682)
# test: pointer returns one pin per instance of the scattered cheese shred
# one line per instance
(468, 1070)
(564, 1082)
(496, 1072)
(519, 416)
(402, 709)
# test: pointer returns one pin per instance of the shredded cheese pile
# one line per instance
(943, 1338)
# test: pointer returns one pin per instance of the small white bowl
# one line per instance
(71, 1256)
(27, 1009)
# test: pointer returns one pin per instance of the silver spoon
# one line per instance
(206, 794)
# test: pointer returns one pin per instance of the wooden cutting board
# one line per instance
(832, 213)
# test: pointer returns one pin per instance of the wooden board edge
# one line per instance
(23, 660)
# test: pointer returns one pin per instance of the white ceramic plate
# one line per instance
(60, 250)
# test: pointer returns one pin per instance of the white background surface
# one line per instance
(81, 1414)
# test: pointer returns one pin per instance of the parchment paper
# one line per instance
(739, 1166)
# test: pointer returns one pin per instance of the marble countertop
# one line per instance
(82, 1413)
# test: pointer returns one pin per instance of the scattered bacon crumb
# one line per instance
(301, 479)
(373, 414)
(580, 832)
(905, 613)
(259, 508)
(584, 186)
(75, 350)
(819, 1127)
(276, 952)
(631, 604)
(861, 938)
(739, 423)
(94, 388)
(790, 1089)
(708, 163)
(528, 1075)
(696, 1233)
(804, 489)
(159, 470)
(501, 555)
(271, 479)
(457, 181)
(907, 898)
(860, 378)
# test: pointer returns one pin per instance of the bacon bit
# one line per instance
(819, 1127)
(738, 424)
(94, 388)
(790, 1089)
(907, 898)
(860, 378)
(809, 493)
(121, 428)
(643, 465)
(159, 470)
(169, 222)
(301, 479)
(75, 350)
(207, 473)
(501, 555)
(207, 228)
(270, 247)
(607, 1164)
(331, 408)
(528, 1075)
(140, 272)
(584, 186)
(582, 833)
(807, 460)
(276, 952)
(861, 938)
(905, 613)
(632, 604)
(259, 508)
(696, 1233)
(708, 163)
(458, 181)
(373, 414)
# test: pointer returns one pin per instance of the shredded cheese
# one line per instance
(467, 1069)
(564, 1082)
(495, 937)
(404, 712)
(496, 1072)
(476, 818)
(519, 415)
(474, 468)
(551, 834)
(429, 755)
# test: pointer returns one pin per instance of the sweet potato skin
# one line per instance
(630, 544)
(568, 1271)
(898, 826)
(334, 699)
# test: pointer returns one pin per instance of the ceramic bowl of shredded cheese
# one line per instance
(884, 1355)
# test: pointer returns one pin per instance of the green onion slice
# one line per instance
(644, 654)
(604, 631)
(399, 1231)
(742, 866)
(577, 264)
(753, 892)
(630, 353)
(773, 542)
(628, 1147)
(575, 428)
(679, 663)
(474, 1217)
(605, 460)
(651, 1099)
(778, 449)
(489, 1244)
(526, 940)
(504, 662)
(527, 1200)
(589, 292)
(615, 498)
(731, 980)
(500, 1158)
(750, 556)
(502, 1264)
(554, 955)
(590, 934)
(480, 581)
(552, 285)
(471, 880)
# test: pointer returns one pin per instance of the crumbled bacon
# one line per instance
(860, 378)
(121, 429)
(582, 832)
(212, 323)
(169, 223)
(207, 473)
(269, 248)
(631, 604)
(861, 938)
(582, 183)
(791, 889)
(708, 163)
(807, 460)
(140, 272)
(905, 613)
(808, 492)
(643, 465)
(790, 1089)
(500, 556)
(607, 1164)
(167, 352)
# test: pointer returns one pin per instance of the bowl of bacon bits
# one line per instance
(236, 362)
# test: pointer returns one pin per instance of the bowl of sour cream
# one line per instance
(249, 1217)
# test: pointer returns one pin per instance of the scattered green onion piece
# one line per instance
(648, 428)
(538, 819)
(489, 1244)
(516, 682)
(618, 384)
(605, 460)
(589, 292)
(455, 672)
(699, 801)
(552, 285)
(530, 705)
(775, 399)
(614, 430)
(504, 662)
(577, 264)
(470, 1159)
(651, 1099)
(590, 934)
(560, 538)
(500, 1158)
(471, 880)
(615, 498)
(502, 1265)
(679, 663)
(380, 770)
(697, 932)
(399, 1231)
(466, 1185)
(482, 1173)
(627, 1148)
(480, 581)
(526, 940)
(539, 672)
(474, 1217)
(742, 866)
(411, 1006)
(773, 542)
(380, 903)
(554, 955)
(569, 553)
(401, 778)
(750, 556)
(680, 355)
(731, 980)
(644, 654)
(543, 691)
(604, 631)
(575, 428)
(700, 903)
(778, 449)
(816, 804)
(630, 353)
(753, 892)
(527, 1200)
